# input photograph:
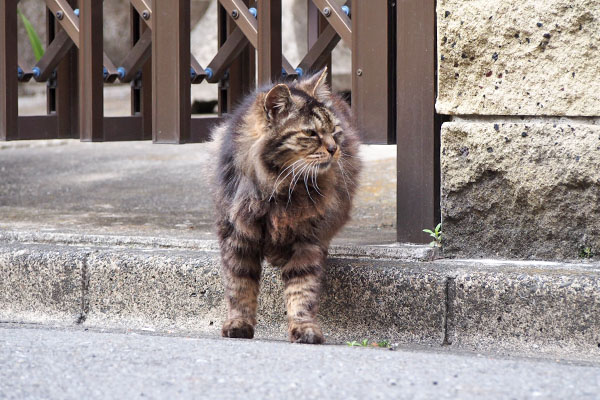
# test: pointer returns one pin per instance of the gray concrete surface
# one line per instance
(141, 189)
(509, 307)
(74, 364)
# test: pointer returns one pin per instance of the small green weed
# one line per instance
(586, 252)
(365, 343)
(436, 234)
(34, 39)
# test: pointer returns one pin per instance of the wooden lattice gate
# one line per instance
(393, 77)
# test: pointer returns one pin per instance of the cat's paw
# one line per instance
(306, 333)
(237, 328)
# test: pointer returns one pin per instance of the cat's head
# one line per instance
(302, 128)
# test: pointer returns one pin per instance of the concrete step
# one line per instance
(374, 292)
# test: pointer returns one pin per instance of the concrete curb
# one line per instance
(19, 144)
(526, 307)
(398, 251)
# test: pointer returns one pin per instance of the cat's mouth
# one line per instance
(322, 163)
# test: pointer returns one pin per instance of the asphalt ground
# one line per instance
(40, 362)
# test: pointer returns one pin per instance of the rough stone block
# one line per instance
(518, 308)
(182, 291)
(155, 289)
(39, 284)
(521, 190)
(525, 57)
(402, 302)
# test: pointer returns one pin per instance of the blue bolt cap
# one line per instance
(300, 72)
(76, 11)
(192, 73)
(121, 71)
(283, 72)
(19, 72)
(104, 72)
(209, 73)
(346, 10)
(253, 11)
(36, 72)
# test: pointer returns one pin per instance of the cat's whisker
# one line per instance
(306, 182)
(294, 181)
(341, 164)
(287, 168)
(299, 175)
(296, 175)
(344, 178)
(315, 178)
(278, 181)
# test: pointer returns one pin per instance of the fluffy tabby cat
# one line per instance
(286, 174)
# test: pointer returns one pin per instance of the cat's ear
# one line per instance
(277, 100)
(317, 85)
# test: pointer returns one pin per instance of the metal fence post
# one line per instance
(9, 111)
(91, 82)
(171, 71)
(269, 41)
(66, 93)
(371, 76)
(222, 34)
(242, 70)
(141, 87)
(316, 25)
(418, 144)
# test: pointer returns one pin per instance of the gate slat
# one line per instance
(66, 95)
(371, 98)
(269, 41)
(322, 39)
(91, 95)
(418, 158)
(171, 71)
(9, 129)
(242, 69)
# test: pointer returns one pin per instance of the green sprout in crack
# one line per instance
(385, 344)
(586, 252)
(436, 234)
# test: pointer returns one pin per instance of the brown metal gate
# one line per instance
(393, 77)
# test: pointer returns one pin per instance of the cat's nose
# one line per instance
(331, 148)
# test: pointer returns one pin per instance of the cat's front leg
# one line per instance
(302, 279)
(240, 270)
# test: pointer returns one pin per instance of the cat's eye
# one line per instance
(311, 132)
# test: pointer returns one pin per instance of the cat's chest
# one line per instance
(285, 223)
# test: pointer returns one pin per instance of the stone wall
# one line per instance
(521, 157)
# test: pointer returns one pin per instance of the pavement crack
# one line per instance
(85, 285)
(449, 311)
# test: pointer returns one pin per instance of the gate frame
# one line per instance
(417, 124)
(393, 86)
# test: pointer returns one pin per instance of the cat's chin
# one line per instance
(324, 165)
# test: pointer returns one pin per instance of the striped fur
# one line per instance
(285, 178)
